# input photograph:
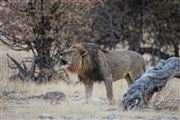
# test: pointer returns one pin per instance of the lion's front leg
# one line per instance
(88, 90)
(109, 90)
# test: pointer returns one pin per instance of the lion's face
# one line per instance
(71, 56)
(68, 57)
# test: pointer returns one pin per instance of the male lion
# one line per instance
(93, 64)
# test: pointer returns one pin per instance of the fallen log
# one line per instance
(153, 80)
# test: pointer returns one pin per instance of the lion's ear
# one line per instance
(81, 49)
(83, 52)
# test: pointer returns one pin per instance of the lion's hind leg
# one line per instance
(109, 90)
(131, 77)
(128, 79)
(135, 72)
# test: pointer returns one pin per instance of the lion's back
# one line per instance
(121, 62)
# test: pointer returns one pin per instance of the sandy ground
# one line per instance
(164, 105)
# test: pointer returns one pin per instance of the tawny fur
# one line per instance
(93, 64)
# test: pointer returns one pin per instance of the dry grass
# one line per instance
(168, 98)
(79, 109)
(166, 102)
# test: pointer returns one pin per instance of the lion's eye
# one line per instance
(75, 53)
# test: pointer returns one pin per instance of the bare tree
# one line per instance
(41, 27)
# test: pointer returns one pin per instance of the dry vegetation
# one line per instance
(164, 105)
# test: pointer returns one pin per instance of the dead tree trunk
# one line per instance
(152, 81)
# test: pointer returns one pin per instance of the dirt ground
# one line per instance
(164, 105)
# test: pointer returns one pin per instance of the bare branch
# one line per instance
(13, 42)
(22, 72)
(33, 66)
(10, 65)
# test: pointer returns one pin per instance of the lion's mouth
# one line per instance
(63, 62)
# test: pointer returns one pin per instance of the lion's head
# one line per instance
(82, 58)
(72, 58)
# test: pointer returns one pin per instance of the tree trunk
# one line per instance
(44, 61)
(134, 42)
(176, 50)
(150, 82)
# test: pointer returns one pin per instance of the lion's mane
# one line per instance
(87, 67)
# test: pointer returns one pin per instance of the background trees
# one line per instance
(145, 26)
(43, 27)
